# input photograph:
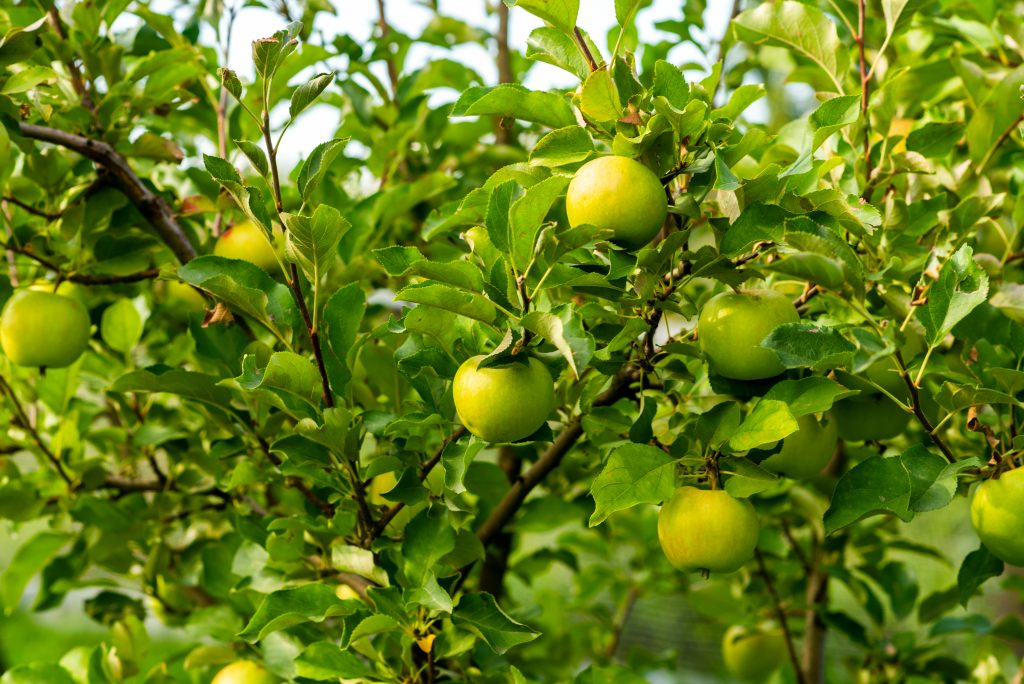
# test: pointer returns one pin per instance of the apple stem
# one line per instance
(705, 573)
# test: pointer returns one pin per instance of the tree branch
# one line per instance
(385, 31)
(780, 614)
(26, 424)
(32, 210)
(581, 42)
(152, 206)
(815, 629)
(915, 405)
(492, 574)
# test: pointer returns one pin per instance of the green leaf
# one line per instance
(554, 47)
(30, 558)
(37, 673)
(342, 317)
(741, 98)
(564, 329)
(428, 538)
(527, 215)
(599, 98)
(121, 326)
(809, 345)
(317, 164)
(801, 28)
(725, 179)
(229, 80)
(898, 13)
(249, 198)
(409, 261)
(285, 372)
(935, 139)
(325, 661)
(978, 567)
(306, 94)
(634, 474)
(456, 458)
(745, 477)
(813, 394)
(27, 79)
(480, 614)
(873, 486)
(256, 156)
(961, 287)
(497, 216)
(313, 602)
(559, 13)
(358, 561)
(757, 223)
(313, 240)
(189, 384)
(769, 421)
(448, 298)
(516, 102)
(245, 288)
(562, 146)
(625, 10)
(994, 116)
(269, 53)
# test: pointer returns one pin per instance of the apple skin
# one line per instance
(752, 656)
(731, 327)
(807, 451)
(505, 403)
(44, 329)
(869, 418)
(997, 514)
(620, 194)
(243, 672)
(185, 296)
(702, 529)
(246, 241)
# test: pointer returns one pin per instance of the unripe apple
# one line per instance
(184, 296)
(618, 194)
(44, 329)
(997, 513)
(702, 529)
(752, 656)
(66, 288)
(243, 672)
(731, 327)
(869, 418)
(805, 452)
(503, 403)
(245, 240)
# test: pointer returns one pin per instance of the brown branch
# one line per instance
(502, 135)
(385, 31)
(83, 278)
(620, 624)
(780, 614)
(865, 82)
(425, 468)
(32, 210)
(915, 405)
(584, 48)
(152, 206)
(815, 629)
(492, 574)
(549, 460)
(26, 424)
(1003, 137)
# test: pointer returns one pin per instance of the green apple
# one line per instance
(997, 513)
(184, 296)
(701, 529)
(44, 329)
(245, 240)
(66, 288)
(731, 327)
(618, 194)
(243, 672)
(503, 403)
(752, 656)
(807, 451)
(869, 417)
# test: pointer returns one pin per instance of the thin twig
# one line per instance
(780, 613)
(915, 405)
(865, 81)
(385, 31)
(26, 424)
(581, 42)
(32, 210)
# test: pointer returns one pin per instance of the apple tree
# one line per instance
(684, 369)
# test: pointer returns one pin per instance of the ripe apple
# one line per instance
(246, 241)
(701, 529)
(753, 655)
(619, 194)
(243, 672)
(731, 327)
(869, 417)
(503, 403)
(997, 513)
(805, 452)
(44, 329)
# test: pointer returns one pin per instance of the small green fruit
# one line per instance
(702, 529)
(184, 296)
(243, 672)
(997, 513)
(44, 329)
(805, 452)
(245, 240)
(869, 418)
(619, 194)
(503, 403)
(732, 326)
(752, 656)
